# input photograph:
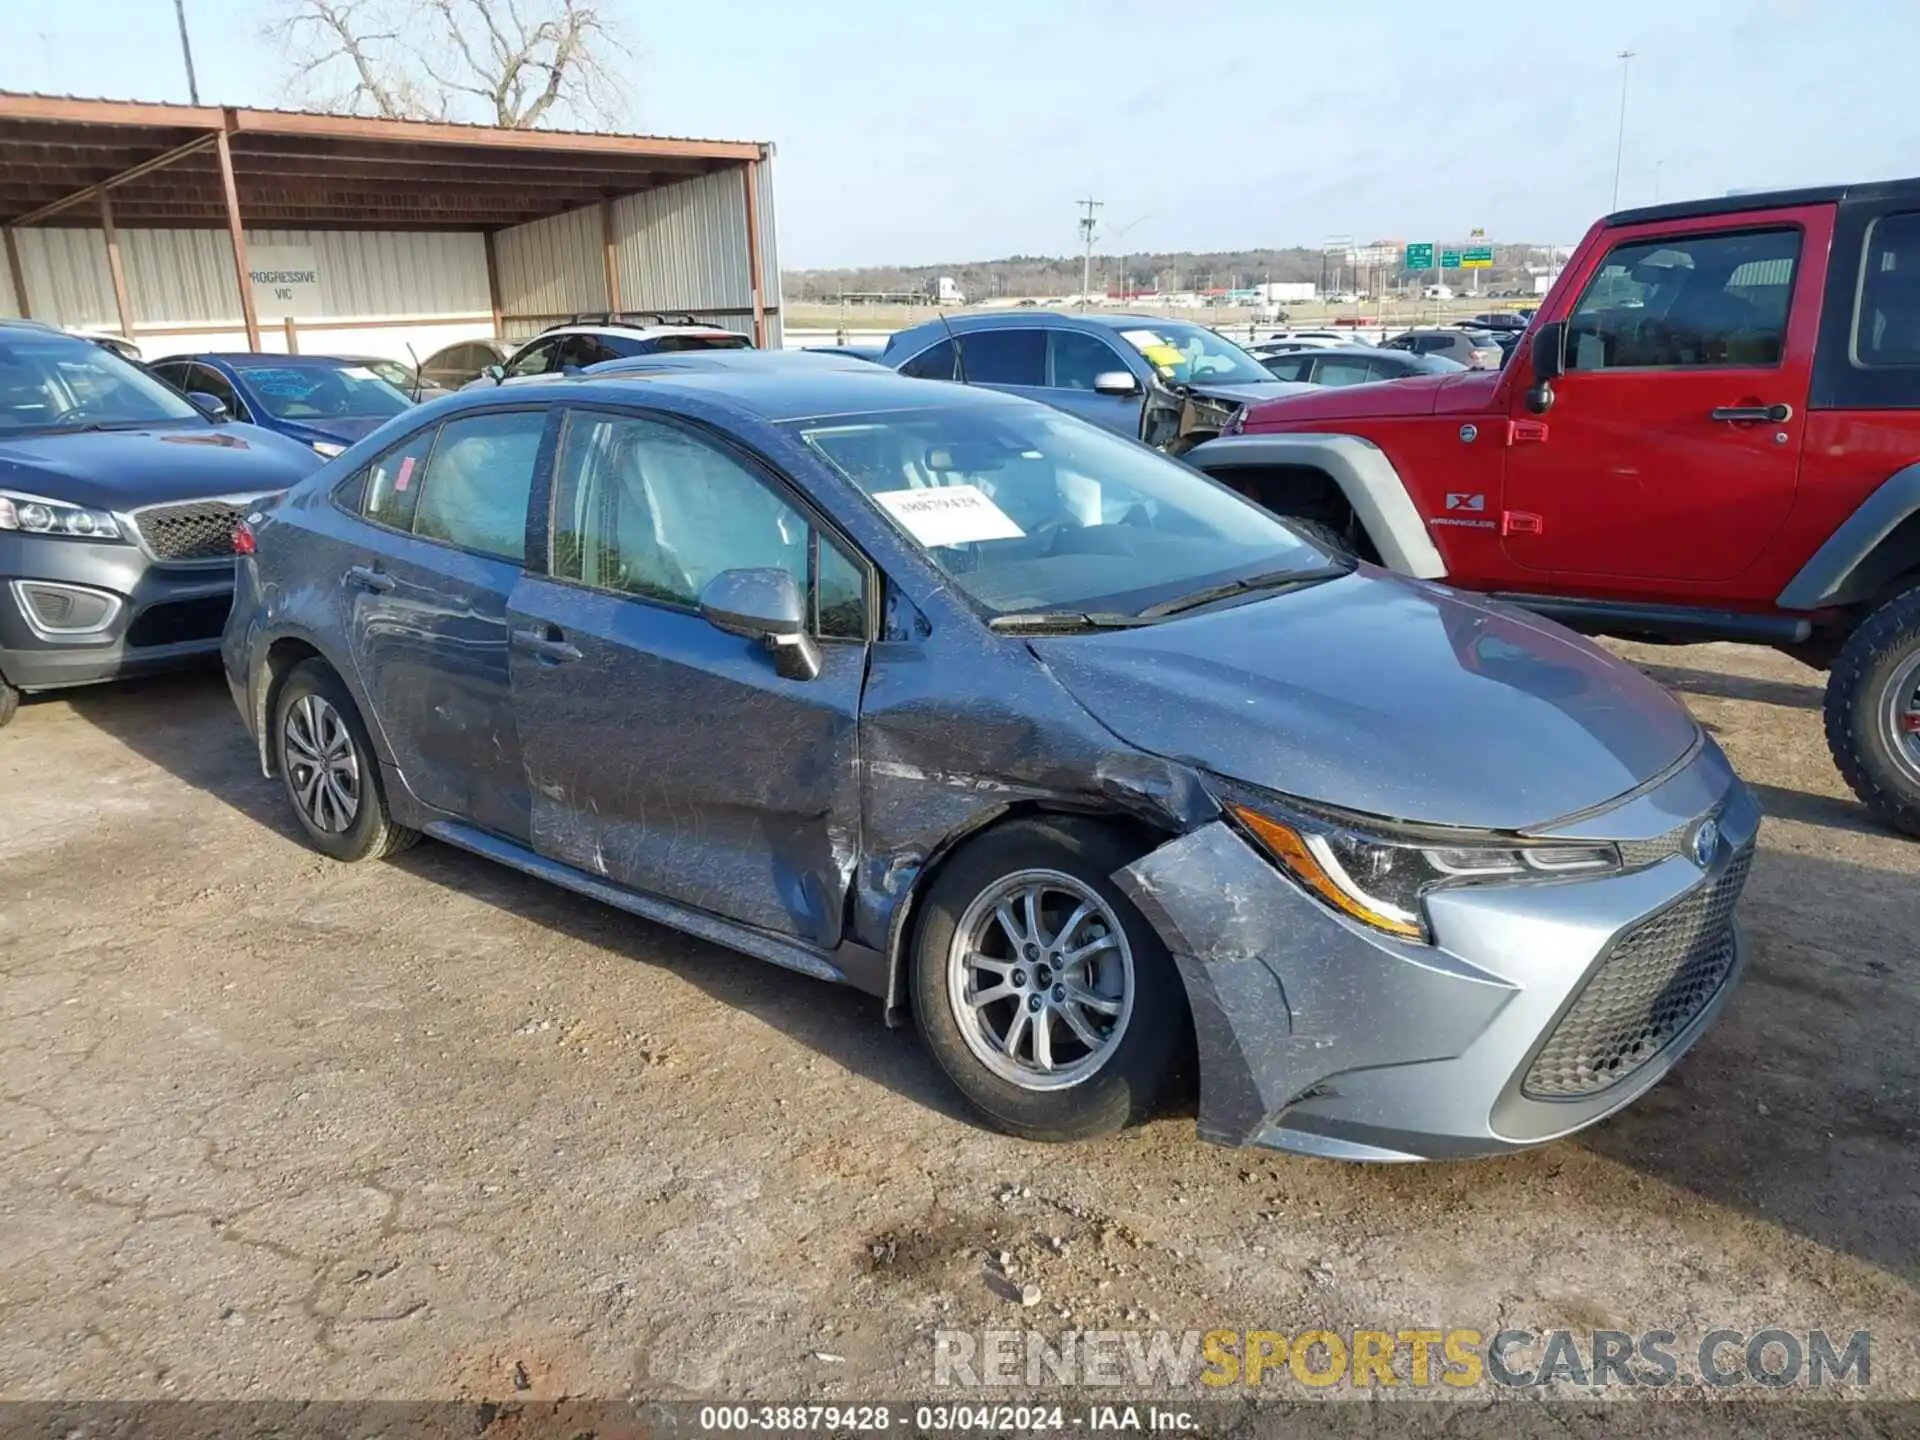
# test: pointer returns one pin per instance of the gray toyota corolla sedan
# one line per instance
(1054, 745)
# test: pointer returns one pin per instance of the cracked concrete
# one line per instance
(273, 1127)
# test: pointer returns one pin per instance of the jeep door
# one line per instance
(663, 754)
(426, 603)
(1672, 448)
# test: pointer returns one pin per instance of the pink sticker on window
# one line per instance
(406, 474)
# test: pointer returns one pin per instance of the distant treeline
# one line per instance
(1184, 270)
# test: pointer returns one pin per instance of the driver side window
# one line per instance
(1699, 300)
(536, 359)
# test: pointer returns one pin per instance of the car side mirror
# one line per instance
(1115, 382)
(1549, 364)
(212, 406)
(495, 373)
(764, 605)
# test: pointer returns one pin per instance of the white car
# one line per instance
(586, 341)
(1297, 340)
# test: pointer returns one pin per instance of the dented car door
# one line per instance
(663, 754)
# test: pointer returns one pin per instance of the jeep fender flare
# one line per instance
(1366, 478)
(1856, 562)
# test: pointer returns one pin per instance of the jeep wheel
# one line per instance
(1873, 712)
(9, 702)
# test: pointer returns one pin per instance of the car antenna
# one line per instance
(418, 378)
(959, 352)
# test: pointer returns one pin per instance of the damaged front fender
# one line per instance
(1285, 996)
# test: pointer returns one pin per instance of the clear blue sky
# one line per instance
(918, 131)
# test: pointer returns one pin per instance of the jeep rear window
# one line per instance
(1886, 325)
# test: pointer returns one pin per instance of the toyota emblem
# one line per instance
(1706, 843)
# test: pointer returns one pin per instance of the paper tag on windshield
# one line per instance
(948, 515)
(358, 372)
(1141, 339)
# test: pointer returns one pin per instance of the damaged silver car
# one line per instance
(1089, 767)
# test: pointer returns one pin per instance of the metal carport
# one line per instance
(148, 220)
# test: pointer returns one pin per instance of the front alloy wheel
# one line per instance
(1873, 712)
(1040, 978)
(1046, 996)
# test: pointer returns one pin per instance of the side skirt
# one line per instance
(1677, 622)
(850, 964)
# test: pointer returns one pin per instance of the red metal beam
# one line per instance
(118, 271)
(750, 178)
(20, 275)
(532, 142)
(146, 167)
(239, 238)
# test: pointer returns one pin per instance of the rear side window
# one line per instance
(934, 364)
(474, 494)
(1718, 299)
(389, 489)
(1005, 357)
(1289, 367)
(1886, 325)
(1344, 370)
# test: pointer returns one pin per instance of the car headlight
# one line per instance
(37, 516)
(327, 449)
(1380, 873)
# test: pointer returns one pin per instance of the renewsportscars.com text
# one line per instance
(1418, 1358)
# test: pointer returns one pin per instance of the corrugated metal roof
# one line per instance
(473, 125)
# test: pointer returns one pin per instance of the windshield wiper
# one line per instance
(1274, 580)
(1030, 621)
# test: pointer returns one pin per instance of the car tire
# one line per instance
(329, 768)
(9, 702)
(1871, 694)
(1142, 1021)
(1322, 534)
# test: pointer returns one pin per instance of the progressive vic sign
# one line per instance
(285, 281)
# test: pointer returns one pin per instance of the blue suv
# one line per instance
(1168, 382)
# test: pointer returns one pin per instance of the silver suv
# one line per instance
(592, 340)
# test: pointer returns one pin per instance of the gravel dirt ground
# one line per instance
(277, 1127)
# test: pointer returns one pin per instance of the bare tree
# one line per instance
(514, 63)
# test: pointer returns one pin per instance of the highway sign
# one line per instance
(1449, 259)
(1478, 257)
(1420, 257)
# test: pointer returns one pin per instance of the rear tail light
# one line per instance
(243, 539)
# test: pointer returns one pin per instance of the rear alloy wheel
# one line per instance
(1045, 996)
(329, 768)
(1873, 712)
(9, 702)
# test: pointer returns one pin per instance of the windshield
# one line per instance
(1026, 509)
(1192, 355)
(323, 392)
(53, 382)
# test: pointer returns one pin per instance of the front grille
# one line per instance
(1646, 991)
(174, 622)
(195, 530)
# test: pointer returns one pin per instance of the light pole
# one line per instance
(1087, 224)
(1620, 142)
(186, 50)
(1118, 236)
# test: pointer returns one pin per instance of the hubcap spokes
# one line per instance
(1900, 717)
(323, 768)
(1041, 980)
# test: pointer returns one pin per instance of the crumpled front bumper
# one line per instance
(1321, 1035)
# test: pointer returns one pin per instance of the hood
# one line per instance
(340, 429)
(125, 469)
(1252, 392)
(1384, 696)
(1409, 395)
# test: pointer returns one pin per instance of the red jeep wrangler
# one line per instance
(1711, 431)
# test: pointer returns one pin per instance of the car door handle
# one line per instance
(546, 648)
(361, 577)
(1739, 414)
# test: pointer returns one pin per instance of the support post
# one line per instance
(612, 257)
(291, 328)
(17, 271)
(239, 238)
(493, 283)
(121, 303)
(750, 173)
